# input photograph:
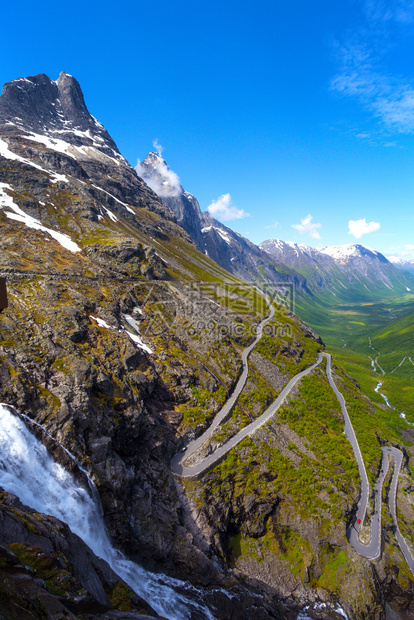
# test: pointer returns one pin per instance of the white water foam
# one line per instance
(28, 471)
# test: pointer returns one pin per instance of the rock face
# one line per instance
(48, 572)
(122, 340)
(57, 108)
(166, 184)
(48, 121)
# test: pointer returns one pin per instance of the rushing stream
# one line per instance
(28, 471)
(387, 402)
(377, 389)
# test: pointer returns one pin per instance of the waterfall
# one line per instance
(29, 472)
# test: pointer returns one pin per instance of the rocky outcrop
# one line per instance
(48, 572)
(47, 123)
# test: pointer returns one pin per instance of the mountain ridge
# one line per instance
(223, 245)
(349, 270)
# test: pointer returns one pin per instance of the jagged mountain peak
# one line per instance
(72, 101)
(159, 177)
(279, 249)
(38, 97)
(45, 124)
(39, 106)
(166, 184)
(154, 159)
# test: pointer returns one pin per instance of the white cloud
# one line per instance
(308, 227)
(384, 11)
(163, 181)
(363, 58)
(222, 209)
(409, 246)
(273, 225)
(361, 227)
(158, 147)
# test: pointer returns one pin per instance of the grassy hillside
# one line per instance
(370, 339)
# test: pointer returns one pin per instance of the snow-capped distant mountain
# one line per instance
(344, 270)
(345, 254)
(294, 254)
(401, 263)
(341, 271)
(362, 261)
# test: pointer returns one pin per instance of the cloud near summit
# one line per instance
(308, 227)
(222, 209)
(362, 227)
(163, 181)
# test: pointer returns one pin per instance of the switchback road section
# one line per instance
(370, 550)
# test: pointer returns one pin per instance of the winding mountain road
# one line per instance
(181, 470)
(370, 550)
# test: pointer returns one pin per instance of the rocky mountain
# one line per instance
(121, 342)
(346, 271)
(166, 184)
(45, 125)
(223, 245)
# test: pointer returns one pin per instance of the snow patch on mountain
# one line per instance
(76, 152)
(342, 253)
(101, 322)
(109, 212)
(17, 214)
(225, 236)
(8, 154)
(115, 198)
(139, 342)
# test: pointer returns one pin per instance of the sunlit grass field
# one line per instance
(373, 341)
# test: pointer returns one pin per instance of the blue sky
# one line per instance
(297, 115)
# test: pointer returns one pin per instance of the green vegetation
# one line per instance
(336, 565)
(58, 580)
(202, 406)
(121, 596)
(316, 416)
(372, 424)
(311, 466)
(286, 345)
